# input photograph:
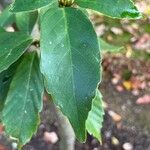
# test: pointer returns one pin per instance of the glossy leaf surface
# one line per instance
(70, 63)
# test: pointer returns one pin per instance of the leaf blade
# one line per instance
(26, 104)
(106, 47)
(25, 21)
(95, 116)
(73, 59)
(6, 17)
(5, 80)
(29, 5)
(112, 8)
(12, 46)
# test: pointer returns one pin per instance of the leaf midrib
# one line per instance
(68, 39)
(26, 94)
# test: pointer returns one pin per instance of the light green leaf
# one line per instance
(70, 63)
(26, 20)
(112, 8)
(106, 47)
(12, 46)
(95, 116)
(28, 5)
(24, 100)
(6, 17)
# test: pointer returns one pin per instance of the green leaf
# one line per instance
(5, 80)
(95, 117)
(6, 17)
(12, 46)
(112, 8)
(28, 5)
(106, 47)
(70, 63)
(1, 30)
(26, 20)
(84, 11)
(24, 100)
(43, 10)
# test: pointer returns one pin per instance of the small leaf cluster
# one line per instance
(66, 64)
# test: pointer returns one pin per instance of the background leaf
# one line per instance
(106, 47)
(24, 100)
(6, 17)
(26, 20)
(12, 46)
(112, 8)
(69, 48)
(95, 116)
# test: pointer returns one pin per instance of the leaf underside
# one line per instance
(106, 47)
(95, 116)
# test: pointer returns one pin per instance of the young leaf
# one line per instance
(26, 20)
(6, 17)
(12, 46)
(106, 47)
(24, 100)
(70, 63)
(112, 8)
(95, 116)
(28, 5)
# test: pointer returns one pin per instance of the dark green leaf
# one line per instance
(28, 5)
(106, 47)
(95, 117)
(6, 17)
(5, 80)
(12, 46)
(24, 100)
(112, 8)
(26, 20)
(70, 63)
